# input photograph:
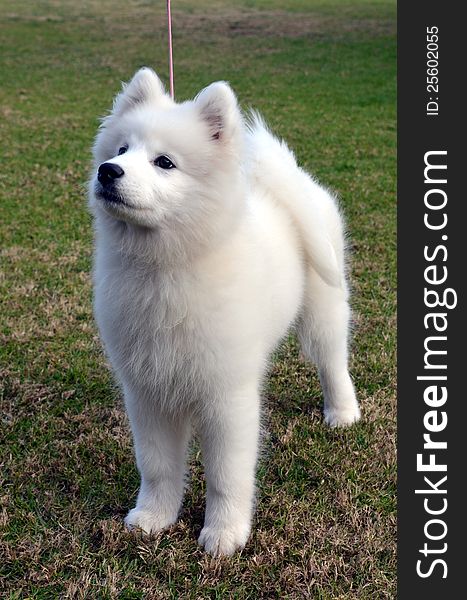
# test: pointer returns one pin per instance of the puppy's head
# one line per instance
(166, 166)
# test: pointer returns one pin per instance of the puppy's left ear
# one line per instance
(218, 107)
(144, 87)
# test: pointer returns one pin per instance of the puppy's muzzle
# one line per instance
(108, 172)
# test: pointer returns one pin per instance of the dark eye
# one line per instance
(122, 150)
(164, 162)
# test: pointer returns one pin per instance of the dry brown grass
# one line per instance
(69, 480)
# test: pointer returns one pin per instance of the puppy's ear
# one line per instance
(144, 87)
(218, 107)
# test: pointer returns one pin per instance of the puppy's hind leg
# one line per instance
(323, 333)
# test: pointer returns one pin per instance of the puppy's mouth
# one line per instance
(111, 197)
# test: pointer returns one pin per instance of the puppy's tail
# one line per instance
(274, 168)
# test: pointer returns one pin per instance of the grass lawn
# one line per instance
(323, 74)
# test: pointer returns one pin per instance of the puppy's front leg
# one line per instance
(160, 446)
(229, 440)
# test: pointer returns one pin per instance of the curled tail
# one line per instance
(274, 168)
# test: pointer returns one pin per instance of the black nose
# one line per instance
(108, 172)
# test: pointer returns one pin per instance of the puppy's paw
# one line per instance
(223, 541)
(342, 417)
(147, 521)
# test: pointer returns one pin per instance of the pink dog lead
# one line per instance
(171, 64)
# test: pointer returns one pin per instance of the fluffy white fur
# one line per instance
(199, 272)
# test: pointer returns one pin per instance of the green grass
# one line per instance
(323, 74)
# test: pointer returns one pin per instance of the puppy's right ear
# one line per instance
(218, 107)
(145, 87)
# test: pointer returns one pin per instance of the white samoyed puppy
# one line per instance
(210, 242)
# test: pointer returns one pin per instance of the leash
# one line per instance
(171, 62)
